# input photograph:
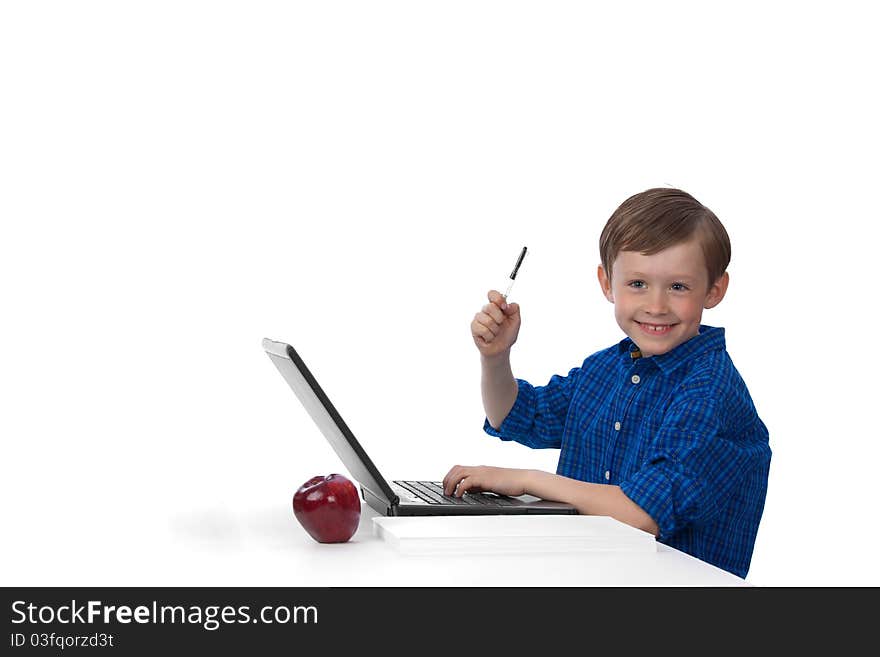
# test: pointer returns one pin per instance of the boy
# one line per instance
(658, 431)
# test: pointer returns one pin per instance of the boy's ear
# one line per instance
(717, 291)
(605, 283)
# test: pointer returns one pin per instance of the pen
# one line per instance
(513, 273)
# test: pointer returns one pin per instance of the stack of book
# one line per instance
(510, 534)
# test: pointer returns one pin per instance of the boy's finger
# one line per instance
(498, 299)
(494, 312)
(451, 479)
(487, 322)
(479, 330)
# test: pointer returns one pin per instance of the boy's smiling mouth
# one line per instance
(654, 329)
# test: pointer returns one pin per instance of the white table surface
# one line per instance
(267, 547)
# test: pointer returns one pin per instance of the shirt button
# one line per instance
(607, 475)
(636, 378)
(617, 426)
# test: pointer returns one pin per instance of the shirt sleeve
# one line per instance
(691, 467)
(538, 414)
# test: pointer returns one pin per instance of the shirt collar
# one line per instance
(710, 338)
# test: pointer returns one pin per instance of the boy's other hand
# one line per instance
(505, 481)
(496, 327)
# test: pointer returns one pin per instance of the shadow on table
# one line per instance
(222, 529)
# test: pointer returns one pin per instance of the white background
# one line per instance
(179, 180)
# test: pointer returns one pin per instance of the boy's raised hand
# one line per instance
(496, 326)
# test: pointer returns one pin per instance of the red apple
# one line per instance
(328, 507)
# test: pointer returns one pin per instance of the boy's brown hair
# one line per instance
(658, 218)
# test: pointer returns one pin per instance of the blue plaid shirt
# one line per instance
(677, 432)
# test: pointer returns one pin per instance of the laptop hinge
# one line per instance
(380, 504)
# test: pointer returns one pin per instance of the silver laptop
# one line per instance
(402, 497)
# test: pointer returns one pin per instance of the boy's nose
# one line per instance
(657, 304)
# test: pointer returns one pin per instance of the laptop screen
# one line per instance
(331, 424)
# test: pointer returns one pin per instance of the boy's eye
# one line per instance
(679, 287)
(637, 284)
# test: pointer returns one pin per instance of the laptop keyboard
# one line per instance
(432, 492)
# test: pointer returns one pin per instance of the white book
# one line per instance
(508, 534)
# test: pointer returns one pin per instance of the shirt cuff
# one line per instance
(520, 418)
(652, 490)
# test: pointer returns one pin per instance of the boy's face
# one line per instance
(659, 299)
